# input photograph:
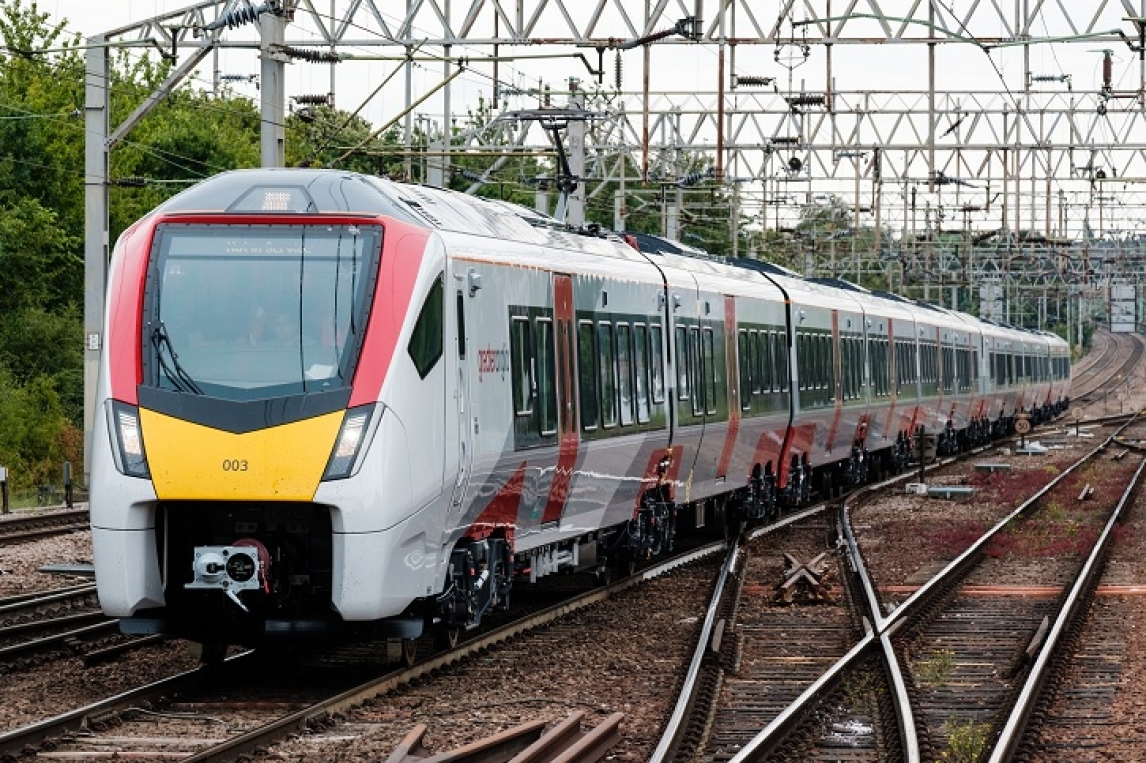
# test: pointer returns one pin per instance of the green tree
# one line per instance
(319, 136)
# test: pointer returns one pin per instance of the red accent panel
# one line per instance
(799, 442)
(861, 429)
(830, 440)
(403, 247)
(768, 448)
(570, 442)
(124, 331)
(730, 347)
(650, 479)
(501, 513)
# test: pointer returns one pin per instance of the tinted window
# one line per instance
(587, 368)
(608, 359)
(546, 378)
(641, 370)
(625, 372)
(248, 312)
(656, 348)
(426, 340)
(521, 362)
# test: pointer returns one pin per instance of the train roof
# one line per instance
(329, 191)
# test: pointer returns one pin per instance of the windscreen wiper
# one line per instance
(179, 377)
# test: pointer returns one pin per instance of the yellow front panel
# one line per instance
(190, 461)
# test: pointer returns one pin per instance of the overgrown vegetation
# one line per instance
(935, 668)
(966, 741)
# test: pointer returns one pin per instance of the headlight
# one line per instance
(130, 457)
(351, 440)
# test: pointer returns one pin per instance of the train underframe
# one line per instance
(277, 559)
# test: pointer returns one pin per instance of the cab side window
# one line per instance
(426, 340)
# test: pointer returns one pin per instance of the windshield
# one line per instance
(250, 312)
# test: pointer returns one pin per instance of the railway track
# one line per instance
(260, 703)
(872, 690)
(861, 716)
(20, 528)
(1088, 700)
(1115, 364)
(963, 655)
(38, 627)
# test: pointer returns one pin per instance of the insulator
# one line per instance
(131, 181)
(785, 140)
(617, 64)
(1049, 77)
(322, 99)
(311, 55)
(246, 14)
(806, 100)
(695, 177)
(745, 80)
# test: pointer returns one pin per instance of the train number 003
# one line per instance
(234, 465)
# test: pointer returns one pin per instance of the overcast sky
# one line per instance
(676, 67)
(684, 69)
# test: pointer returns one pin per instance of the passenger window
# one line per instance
(608, 375)
(829, 366)
(657, 364)
(695, 370)
(764, 380)
(546, 378)
(641, 371)
(521, 358)
(461, 326)
(426, 340)
(682, 363)
(710, 370)
(588, 372)
(781, 359)
(625, 372)
(747, 383)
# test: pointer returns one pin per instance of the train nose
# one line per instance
(195, 462)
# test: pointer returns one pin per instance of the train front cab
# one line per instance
(254, 481)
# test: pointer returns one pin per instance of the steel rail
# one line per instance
(14, 743)
(48, 622)
(670, 740)
(32, 600)
(768, 740)
(12, 528)
(899, 696)
(882, 628)
(1123, 370)
(1013, 730)
(677, 725)
(276, 730)
(962, 563)
(39, 644)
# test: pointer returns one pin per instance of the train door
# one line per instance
(465, 429)
(566, 394)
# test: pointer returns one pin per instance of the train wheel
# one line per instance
(446, 638)
(409, 651)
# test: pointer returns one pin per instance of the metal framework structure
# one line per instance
(1025, 182)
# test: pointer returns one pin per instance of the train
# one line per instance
(334, 403)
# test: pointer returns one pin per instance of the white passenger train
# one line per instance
(329, 400)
